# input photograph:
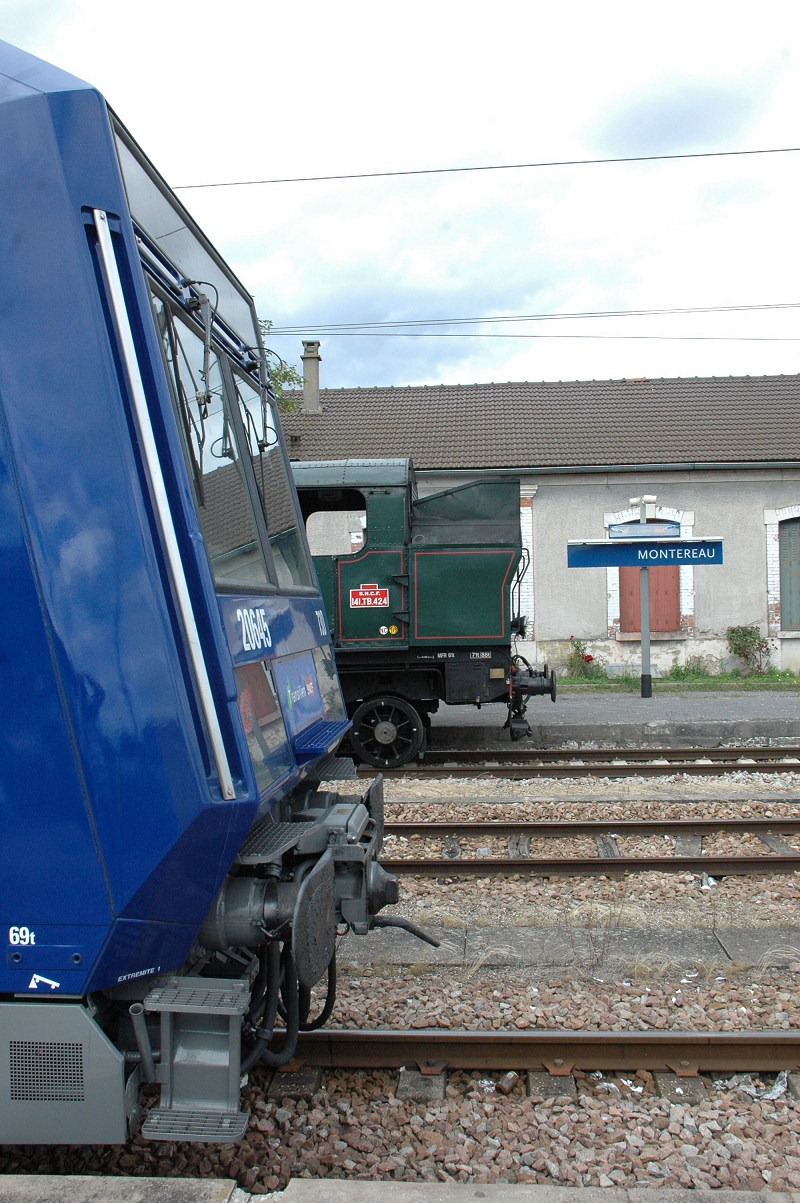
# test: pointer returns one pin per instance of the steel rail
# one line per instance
(685, 1053)
(531, 770)
(561, 755)
(521, 763)
(593, 866)
(566, 828)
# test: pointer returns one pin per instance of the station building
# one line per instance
(721, 455)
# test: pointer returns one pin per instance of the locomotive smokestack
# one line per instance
(311, 361)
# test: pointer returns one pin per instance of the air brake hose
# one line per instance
(289, 990)
(330, 1002)
(267, 987)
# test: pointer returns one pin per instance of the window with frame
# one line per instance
(789, 555)
(665, 599)
(272, 482)
(235, 461)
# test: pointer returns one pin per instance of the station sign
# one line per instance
(644, 530)
(638, 553)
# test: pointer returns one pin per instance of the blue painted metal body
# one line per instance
(641, 553)
(114, 836)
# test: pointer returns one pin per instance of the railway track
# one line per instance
(558, 1052)
(779, 857)
(521, 763)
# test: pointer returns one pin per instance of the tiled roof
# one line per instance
(548, 424)
(226, 519)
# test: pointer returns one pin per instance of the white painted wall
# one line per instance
(738, 505)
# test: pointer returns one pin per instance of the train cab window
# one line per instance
(328, 682)
(263, 723)
(272, 483)
(220, 488)
(336, 532)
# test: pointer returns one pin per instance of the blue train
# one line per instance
(174, 862)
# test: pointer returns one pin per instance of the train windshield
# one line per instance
(216, 469)
(173, 232)
(235, 461)
(209, 334)
(274, 495)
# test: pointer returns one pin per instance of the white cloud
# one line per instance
(255, 90)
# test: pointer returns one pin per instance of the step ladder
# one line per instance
(200, 1065)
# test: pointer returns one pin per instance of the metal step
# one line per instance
(319, 739)
(335, 768)
(268, 841)
(195, 995)
(221, 1127)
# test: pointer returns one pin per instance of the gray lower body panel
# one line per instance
(62, 1081)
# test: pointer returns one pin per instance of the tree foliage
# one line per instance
(284, 375)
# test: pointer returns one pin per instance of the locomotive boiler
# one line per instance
(422, 596)
(172, 871)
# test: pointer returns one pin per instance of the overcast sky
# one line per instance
(251, 89)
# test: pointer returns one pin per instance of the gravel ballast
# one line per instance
(618, 1132)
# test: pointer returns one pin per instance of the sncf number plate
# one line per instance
(368, 597)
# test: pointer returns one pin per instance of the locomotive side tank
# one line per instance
(169, 866)
(422, 597)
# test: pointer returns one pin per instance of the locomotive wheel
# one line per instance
(387, 732)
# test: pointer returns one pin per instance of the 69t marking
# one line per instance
(21, 935)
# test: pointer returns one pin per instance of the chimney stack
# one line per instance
(311, 361)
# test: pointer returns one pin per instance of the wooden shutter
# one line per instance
(665, 599)
(789, 534)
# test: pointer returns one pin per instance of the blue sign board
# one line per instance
(644, 530)
(600, 553)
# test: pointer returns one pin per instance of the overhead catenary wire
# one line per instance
(332, 327)
(712, 338)
(375, 175)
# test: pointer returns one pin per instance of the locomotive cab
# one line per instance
(175, 858)
(422, 595)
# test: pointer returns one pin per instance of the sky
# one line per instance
(252, 89)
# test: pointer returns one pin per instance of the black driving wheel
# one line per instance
(387, 732)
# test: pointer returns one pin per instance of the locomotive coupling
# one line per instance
(534, 684)
(522, 687)
(298, 880)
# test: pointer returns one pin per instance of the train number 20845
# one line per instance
(21, 935)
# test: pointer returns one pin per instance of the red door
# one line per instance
(665, 599)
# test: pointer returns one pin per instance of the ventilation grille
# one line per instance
(46, 1071)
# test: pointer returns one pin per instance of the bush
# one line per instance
(581, 663)
(751, 646)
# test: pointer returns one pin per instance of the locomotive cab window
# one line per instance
(263, 723)
(336, 520)
(235, 462)
(336, 532)
(215, 467)
(272, 484)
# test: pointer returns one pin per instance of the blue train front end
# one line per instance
(172, 870)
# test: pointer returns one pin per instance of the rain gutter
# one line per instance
(595, 469)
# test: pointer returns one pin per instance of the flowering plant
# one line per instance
(579, 661)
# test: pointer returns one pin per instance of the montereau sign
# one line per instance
(640, 553)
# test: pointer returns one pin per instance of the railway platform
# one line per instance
(53, 1188)
(605, 719)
